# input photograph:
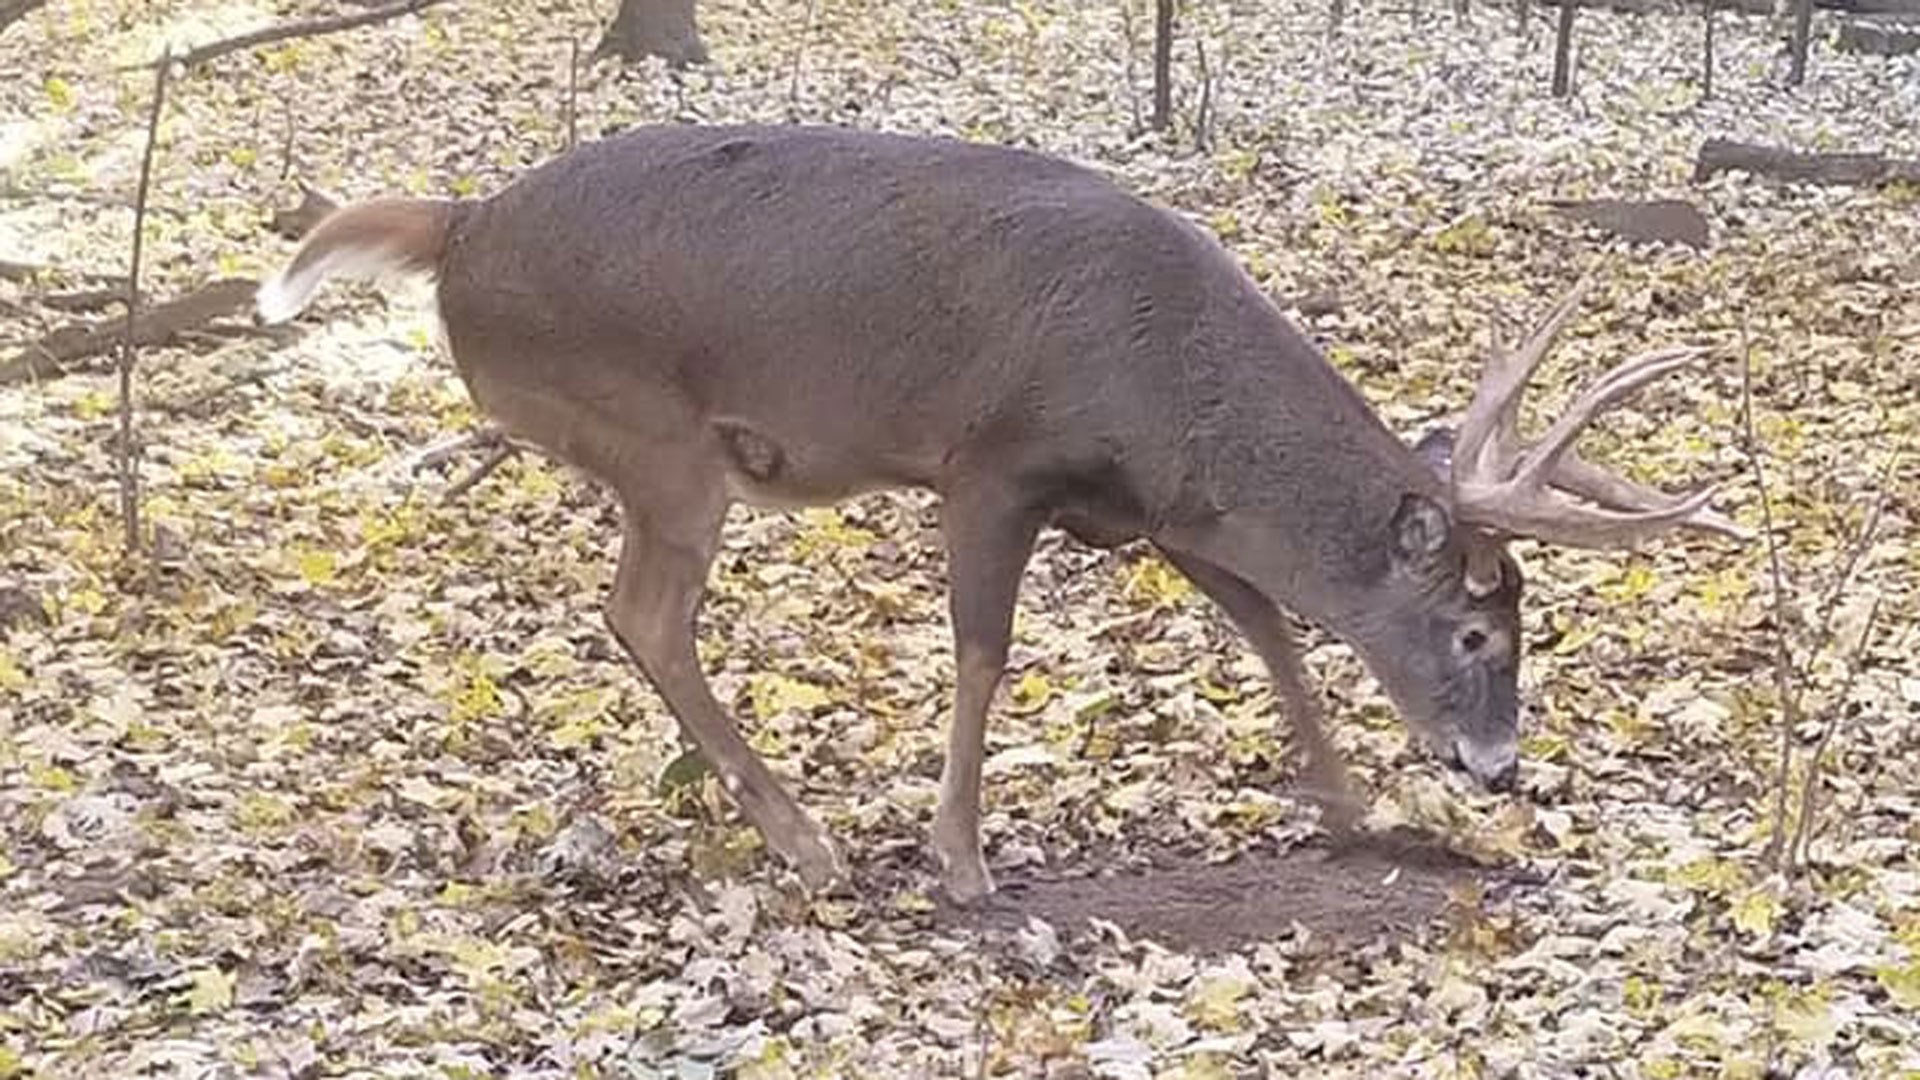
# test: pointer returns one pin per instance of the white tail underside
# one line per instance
(286, 293)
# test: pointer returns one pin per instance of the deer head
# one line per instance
(1448, 654)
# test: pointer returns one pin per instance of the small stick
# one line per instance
(129, 449)
(1783, 670)
(1133, 91)
(1810, 786)
(302, 28)
(799, 54)
(573, 91)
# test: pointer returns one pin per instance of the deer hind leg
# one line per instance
(1266, 628)
(669, 545)
(989, 540)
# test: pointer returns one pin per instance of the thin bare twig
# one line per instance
(301, 28)
(1203, 117)
(499, 457)
(1706, 62)
(1869, 527)
(1784, 673)
(290, 128)
(573, 92)
(129, 447)
(1133, 90)
(1810, 785)
(799, 54)
(1163, 22)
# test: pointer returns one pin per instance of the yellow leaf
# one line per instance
(316, 567)
(1214, 1001)
(93, 405)
(1902, 984)
(773, 694)
(212, 991)
(479, 698)
(55, 778)
(10, 1064)
(1575, 639)
(1807, 1019)
(1756, 913)
(1032, 692)
(1715, 877)
(59, 93)
(1642, 997)
(11, 677)
(1153, 581)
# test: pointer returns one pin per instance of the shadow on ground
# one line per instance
(1342, 896)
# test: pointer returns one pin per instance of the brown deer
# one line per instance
(791, 316)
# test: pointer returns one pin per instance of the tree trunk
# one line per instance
(1802, 31)
(1563, 49)
(1162, 63)
(663, 28)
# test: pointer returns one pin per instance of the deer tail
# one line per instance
(368, 240)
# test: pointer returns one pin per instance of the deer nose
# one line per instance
(1503, 780)
(1497, 767)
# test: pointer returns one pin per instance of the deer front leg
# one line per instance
(656, 598)
(989, 539)
(1266, 628)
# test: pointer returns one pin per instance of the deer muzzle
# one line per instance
(1496, 765)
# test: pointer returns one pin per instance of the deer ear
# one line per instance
(1436, 449)
(1420, 528)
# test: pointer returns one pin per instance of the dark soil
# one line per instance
(1341, 896)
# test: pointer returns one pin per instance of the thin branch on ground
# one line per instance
(64, 350)
(501, 453)
(301, 28)
(494, 439)
(129, 448)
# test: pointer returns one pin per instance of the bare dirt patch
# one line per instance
(1343, 895)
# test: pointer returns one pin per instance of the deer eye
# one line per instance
(1473, 641)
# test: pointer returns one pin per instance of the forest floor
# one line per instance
(347, 778)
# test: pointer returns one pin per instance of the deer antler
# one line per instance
(1507, 487)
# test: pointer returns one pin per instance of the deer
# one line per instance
(699, 315)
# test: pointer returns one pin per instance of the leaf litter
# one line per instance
(351, 782)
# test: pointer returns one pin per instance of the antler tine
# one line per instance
(1553, 518)
(1574, 474)
(1487, 442)
(1602, 395)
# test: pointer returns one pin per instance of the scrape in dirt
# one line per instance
(1345, 896)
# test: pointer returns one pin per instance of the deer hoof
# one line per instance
(819, 864)
(967, 881)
